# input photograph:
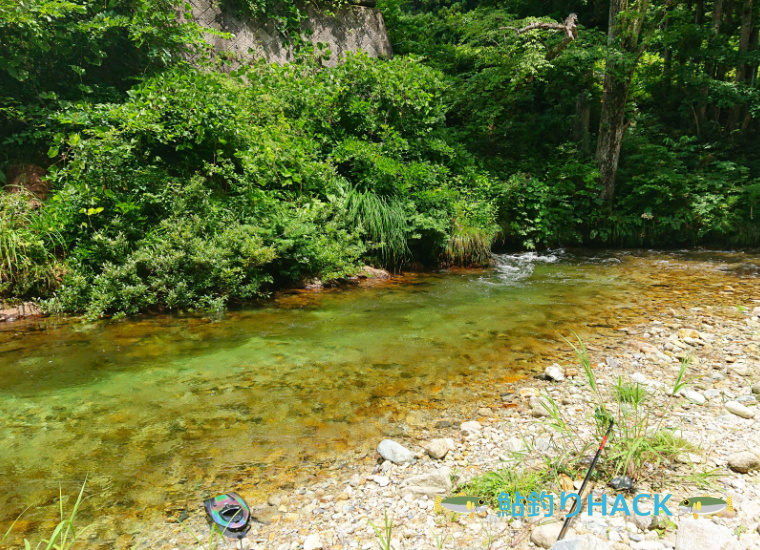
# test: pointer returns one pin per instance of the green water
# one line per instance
(171, 409)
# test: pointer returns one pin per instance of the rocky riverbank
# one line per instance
(715, 414)
(10, 313)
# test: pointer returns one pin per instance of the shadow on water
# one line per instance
(172, 408)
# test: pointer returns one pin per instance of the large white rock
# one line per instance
(586, 542)
(703, 534)
(395, 452)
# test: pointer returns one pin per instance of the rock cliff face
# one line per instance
(351, 29)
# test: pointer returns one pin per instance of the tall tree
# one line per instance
(626, 21)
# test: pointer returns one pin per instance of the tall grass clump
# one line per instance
(639, 443)
(382, 220)
(27, 264)
(473, 232)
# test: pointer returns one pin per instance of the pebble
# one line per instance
(712, 394)
(546, 535)
(471, 427)
(312, 542)
(743, 462)
(739, 410)
(694, 397)
(383, 481)
(438, 448)
(554, 373)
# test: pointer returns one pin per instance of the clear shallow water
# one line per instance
(160, 412)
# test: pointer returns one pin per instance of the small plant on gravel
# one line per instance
(491, 484)
(625, 392)
(384, 537)
(680, 382)
(440, 540)
(639, 443)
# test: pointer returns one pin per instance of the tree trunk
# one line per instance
(611, 127)
(622, 53)
(582, 122)
(744, 36)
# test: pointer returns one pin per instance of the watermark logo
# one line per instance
(535, 504)
(703, 506)
(543, 504)
(462, 504)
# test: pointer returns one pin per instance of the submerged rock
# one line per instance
(395, 452)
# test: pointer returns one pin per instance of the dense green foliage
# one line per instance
(178, 186)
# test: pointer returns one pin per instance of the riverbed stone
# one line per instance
(743, 462)
(756, 388)
(739, 410)
(395, 452)
(546, 535)
(438, 448)
(383, 481)
(312, 542)
(554, 373)
(437, 482)
(699, 534)
(537, 410)
(694, 397)
(712, 394)
(471, 427)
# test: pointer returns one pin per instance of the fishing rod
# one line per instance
(570, 515)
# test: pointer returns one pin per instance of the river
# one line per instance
(159, 412)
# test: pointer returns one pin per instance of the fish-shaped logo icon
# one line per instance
(463, 504)
(702, 506)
